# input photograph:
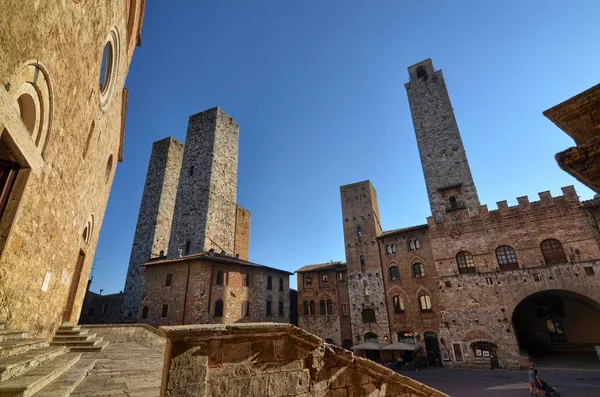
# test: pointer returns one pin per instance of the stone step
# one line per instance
(35, 379)
(71, 332)
(60, 338)
(2, 324)
(17, 346)
(76, 342)
(94, 349)
(7, 334)
(65, 384)
(16, 365)
(69, 328)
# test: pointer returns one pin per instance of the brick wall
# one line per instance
(242, 232)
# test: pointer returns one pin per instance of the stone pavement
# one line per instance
(501, 383)
(123, 369)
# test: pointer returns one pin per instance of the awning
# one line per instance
(401, 346)
(368, 346)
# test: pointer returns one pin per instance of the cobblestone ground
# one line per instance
(499, 383)
(123, 369)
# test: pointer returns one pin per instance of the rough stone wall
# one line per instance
(205, 210)
(343, 297)
(327, 326)
(409, 288)
(203, 293)
(242, 232)
(64, 182)
(102, 309)
(442, 153)
(366, 291)
(272, 360)
(153, 227)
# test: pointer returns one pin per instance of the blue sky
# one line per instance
(318, 90)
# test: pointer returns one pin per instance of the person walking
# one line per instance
(531, 379)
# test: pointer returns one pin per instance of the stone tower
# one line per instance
(448, 177)
(155, 218)
(360, 213)
(205, 210)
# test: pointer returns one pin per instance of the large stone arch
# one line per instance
(564, 285)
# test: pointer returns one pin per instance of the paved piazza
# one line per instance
(123, 369)
(500, 383)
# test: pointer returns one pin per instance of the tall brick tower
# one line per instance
(360, 213)
(205, 210)
(448, 177)
(153, 228)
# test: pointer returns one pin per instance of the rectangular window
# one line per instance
(324, 279)
(537, 277)
(281, 308)
(269, 309)
(188, 245)
(165, 311)
(589, 270)
(457, 348)
(388, 249)
(245, 280)
(341, 277)
(489, 281)
(169, 280)
(104, 308)
(246, 309)
(345, 311)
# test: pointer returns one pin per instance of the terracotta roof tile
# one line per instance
(321, 266)
(402, 230)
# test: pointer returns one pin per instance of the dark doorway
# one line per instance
(347, 344)
(74, 286)
(557, 326)
(432, 346)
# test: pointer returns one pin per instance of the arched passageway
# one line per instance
(558, 327)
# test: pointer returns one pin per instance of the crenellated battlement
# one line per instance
(569, 197)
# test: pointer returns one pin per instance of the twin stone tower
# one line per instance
(189, 200)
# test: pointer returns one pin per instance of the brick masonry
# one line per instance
(241, 244)
(64, 183)
(194, 291)
(153, 227)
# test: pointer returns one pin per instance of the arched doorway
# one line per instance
(432, 346)
(558, 327)
(347, 344)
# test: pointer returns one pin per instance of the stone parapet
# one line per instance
(269, 359)
(142, 334)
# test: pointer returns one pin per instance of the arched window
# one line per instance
(453, 202)
(219, 308)
(506, 258)
(413, 244)
(280, 284)
(418, 270)
(145, 312)
(553, 251)
(324, 279)
(329, 306)
(398, 304)
(425, 303)
(322, 307)
(312, 308)
(465, 262)
(421, 72)
(220, 277)
(307, 309)
(359, 232)
(362, 263)
(394, 273)
(368, 316)
(269, 306)
(390, 249)
(269, 282)
(308, 281)
(371, 337)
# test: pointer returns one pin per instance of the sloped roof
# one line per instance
(212, 257)
(321, 266)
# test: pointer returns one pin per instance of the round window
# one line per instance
(106, 66)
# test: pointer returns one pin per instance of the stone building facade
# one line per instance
(63, 108)
(475, 287)
(211, 288)
(323, 302)
(579, 117)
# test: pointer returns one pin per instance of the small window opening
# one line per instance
(453, 203)
(165, 311)
(169, 280)
(421, 72)
(145, 312)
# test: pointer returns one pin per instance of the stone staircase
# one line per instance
(33, 367)
(78, 340)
